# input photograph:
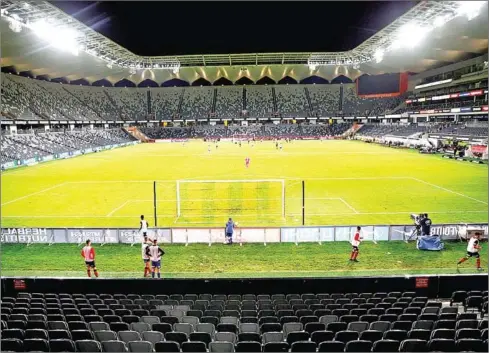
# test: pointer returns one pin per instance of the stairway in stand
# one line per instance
(134, 131)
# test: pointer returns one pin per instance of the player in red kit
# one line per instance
(355, 243)
(247, 162)
(88, 253)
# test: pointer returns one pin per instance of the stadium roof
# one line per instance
(101, 58)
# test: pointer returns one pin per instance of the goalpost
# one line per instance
(208, 198)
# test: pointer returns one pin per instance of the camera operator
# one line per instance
(425, 225)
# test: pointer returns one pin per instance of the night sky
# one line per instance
(185, 27)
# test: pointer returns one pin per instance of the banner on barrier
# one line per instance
(216, 235)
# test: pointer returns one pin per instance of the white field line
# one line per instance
(34, 193)
(255, 216)
(111, 274)
(448, 190)
(241, 199)
(252, 178)
(348, 205)
(118, 208)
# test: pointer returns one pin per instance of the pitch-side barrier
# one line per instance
(216, 235)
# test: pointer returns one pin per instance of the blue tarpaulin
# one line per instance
(430, 243)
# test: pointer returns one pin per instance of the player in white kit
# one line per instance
(473, 249)
(143, 226)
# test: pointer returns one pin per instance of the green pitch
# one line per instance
(346, 183)
(247, 261)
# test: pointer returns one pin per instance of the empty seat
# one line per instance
(167, 346)
(99, 326)
(102, 336)
(303, 346)
(88, 346)
(221, 347)
(358, 326)
(467, 333)
(381, 326)
(269, 337)
(443, 333)
(140, 326)
(80, 335)
(140, 346)
(470, 345)
(128, 336)
(336, 326)
(179, 337)
(249, 327)
(114, 346)
(314, 326)
(62, 345)
(162, 327)
(322, 336)
(247, 346)
(297, 336)
(371, 335)
(413, 345)
(386, 346)
(249, 337)
(12, 345)
(346, 336)
(358, 346)
(193, 347)
(331, 346)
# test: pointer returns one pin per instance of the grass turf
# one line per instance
(347, 183)
(248, 261)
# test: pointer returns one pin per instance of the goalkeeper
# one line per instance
(230, 225)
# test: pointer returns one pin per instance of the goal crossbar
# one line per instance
(183, 181)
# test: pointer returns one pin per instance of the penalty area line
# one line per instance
(34, 193)
(448, 190)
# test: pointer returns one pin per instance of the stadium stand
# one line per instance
(229, 102)
(25, 146)
(395, 321)
(325, 99)
(259, 101)
(292, 101)
(255, 131)
(462, 130)
(131, 102)
(354, 105)
(25, 98)
(164, 102)
(197, 102)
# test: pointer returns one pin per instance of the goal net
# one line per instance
(230, 198)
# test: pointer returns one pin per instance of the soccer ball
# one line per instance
(236, 224)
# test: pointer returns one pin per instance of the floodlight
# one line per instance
(14, 23)
(441, 20)
(412, 34)
(379, 55)
(470, 9)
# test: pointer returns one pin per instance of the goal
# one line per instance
(222, 198)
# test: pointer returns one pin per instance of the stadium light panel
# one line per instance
(470, 9)
(379, 55)
(412, 34)
(14, 23)
(440, 21)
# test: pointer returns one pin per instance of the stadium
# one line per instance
(303, 193)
